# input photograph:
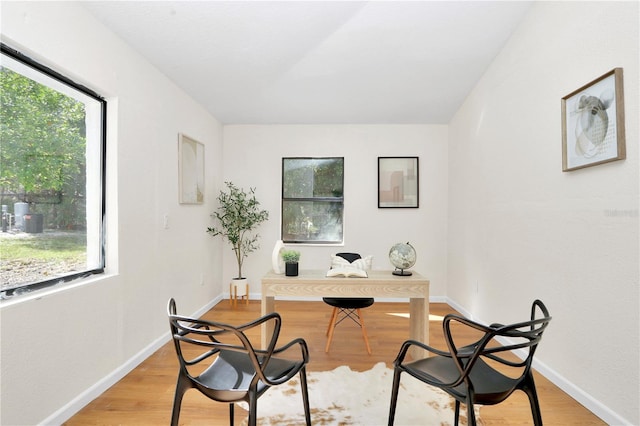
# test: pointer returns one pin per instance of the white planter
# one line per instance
(238, 288)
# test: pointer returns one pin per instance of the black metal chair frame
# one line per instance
(465, 372)
(227, 368)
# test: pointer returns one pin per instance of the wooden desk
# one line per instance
(378, 284)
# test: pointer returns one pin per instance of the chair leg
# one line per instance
(394, 395)
(182, 386)
(456, 420)
(364, 331)
(253, 407)
(305, 396)
(332, 327)
(334, 314)
(471, 414)
(529, 387)
(231, 414)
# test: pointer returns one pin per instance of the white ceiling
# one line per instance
(291, 62)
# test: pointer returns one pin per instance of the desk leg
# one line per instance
(419, 324)
(268, 306)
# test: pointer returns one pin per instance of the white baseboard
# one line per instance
(596, 407)
(75, 405)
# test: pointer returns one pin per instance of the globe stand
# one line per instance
(402, 272)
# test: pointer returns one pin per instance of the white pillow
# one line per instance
(363, 264)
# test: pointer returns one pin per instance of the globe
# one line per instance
(403, 257)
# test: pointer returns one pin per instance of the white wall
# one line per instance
(253, 158)
(60, 344)
(520, 228)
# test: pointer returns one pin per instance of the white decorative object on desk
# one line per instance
(276, 261)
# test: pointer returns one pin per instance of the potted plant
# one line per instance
(291, 258)
(237, 216)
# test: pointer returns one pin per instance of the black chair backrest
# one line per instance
(523, 335)
(214, 337)
(350, 257)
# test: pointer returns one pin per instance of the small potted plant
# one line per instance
(291, 258)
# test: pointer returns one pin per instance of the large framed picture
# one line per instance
(593, 123)
(398, 182)
(190, 170)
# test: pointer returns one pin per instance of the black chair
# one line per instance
(221, 362)
(480, 373)
(347, 307)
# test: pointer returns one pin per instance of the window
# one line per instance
(312, 200)
(52, 134)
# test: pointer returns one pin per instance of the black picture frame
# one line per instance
(398, 183)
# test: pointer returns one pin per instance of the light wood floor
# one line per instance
(145, 396)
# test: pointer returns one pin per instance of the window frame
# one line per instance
(99, 247)
(323, 199)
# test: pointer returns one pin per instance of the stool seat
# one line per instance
(349, 302)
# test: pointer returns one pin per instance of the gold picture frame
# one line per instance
(593, 123)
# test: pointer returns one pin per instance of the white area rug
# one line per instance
(346, 397)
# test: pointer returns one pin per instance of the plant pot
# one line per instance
(291, 269)
(238, 287)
